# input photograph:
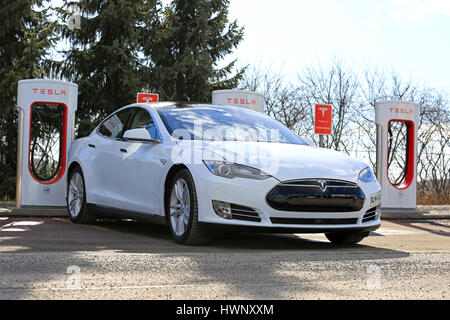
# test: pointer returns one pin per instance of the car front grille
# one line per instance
(313, 221)
(316, 195)
(244, 213)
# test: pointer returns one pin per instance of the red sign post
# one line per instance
(323, 120)
(143, 97)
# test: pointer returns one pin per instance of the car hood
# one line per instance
(286, 161)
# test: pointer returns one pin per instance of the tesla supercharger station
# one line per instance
(240, 98)
(397, 129)
(45, 134)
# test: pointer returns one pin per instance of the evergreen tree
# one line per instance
(25, 36)
(105, 57)
(193, 37)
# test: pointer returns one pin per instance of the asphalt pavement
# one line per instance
(51, 258)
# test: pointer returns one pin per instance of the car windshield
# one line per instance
(222, 123)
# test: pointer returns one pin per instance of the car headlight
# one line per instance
(366, 176)
(233, 170)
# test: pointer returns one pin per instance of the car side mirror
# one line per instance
(139, 135)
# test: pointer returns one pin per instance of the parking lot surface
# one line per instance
(51, 258)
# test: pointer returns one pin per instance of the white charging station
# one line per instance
(239, 98)
(390, 116)
(45, 133)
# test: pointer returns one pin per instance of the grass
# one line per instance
(429, 197)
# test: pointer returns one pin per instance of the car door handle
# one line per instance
(92, 146)
(123, 150)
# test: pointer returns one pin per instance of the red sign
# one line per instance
(143, 97)
(323, 122)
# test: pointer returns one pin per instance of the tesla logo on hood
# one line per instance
(322, 185)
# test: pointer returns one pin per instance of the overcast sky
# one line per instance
(410, 36)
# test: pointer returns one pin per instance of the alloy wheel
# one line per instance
(75, 194)
(180, 207)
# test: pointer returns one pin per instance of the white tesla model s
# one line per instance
(203, 168)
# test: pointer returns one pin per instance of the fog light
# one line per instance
(378, 215)
(222, 209)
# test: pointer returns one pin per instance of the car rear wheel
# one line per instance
(182, 211)
(76, 199)
(346, 237)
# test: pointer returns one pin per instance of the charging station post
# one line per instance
(45, 133)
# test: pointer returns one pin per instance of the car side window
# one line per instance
(114, 126)
(142, 119)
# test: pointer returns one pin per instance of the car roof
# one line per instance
(178, 105)
(185, 105)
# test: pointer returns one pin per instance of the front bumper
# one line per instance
(274, 229)
(252, 194)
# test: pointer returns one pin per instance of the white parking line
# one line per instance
(23, 226)
(397, 232)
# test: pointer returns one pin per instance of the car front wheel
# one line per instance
(182, 211)
(76, 199)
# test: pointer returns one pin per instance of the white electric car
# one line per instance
(204, 168)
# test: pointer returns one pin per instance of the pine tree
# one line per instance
(104, 58)
(25, 37)
(193, 37)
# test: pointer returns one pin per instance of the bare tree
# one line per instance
(434, 149)
(354, 131)
(283, 100)
(338, 86)
(433, 138)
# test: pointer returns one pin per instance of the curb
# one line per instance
(34, 212)
(421, 213)
(416, 217)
